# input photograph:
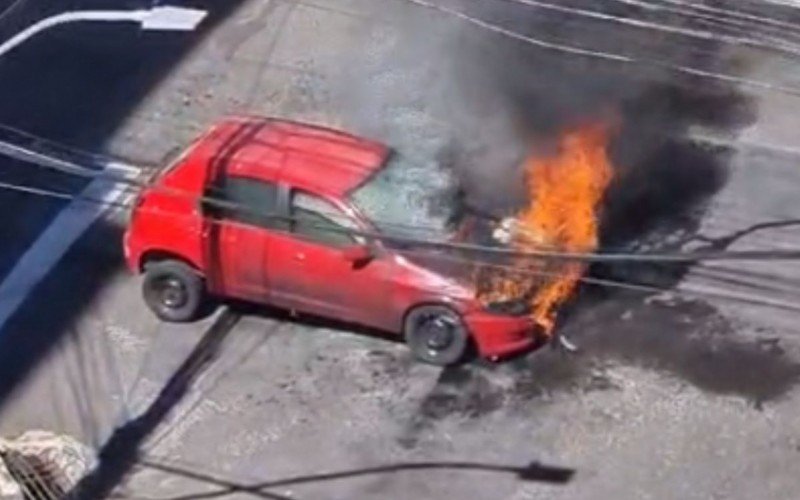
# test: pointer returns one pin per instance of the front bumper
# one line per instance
(498, 336)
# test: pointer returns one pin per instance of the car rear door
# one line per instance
(240, 215)
(308, 269)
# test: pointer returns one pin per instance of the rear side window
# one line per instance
(245, 200)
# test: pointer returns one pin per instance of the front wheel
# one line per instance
(436, 335)
(173, 291)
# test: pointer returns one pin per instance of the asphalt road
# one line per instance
(673, 395)
(76, 85)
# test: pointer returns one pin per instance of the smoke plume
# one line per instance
(465, 104)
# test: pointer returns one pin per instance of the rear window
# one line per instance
(176, 155)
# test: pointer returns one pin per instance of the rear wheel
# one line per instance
(174, 291)
(436, 335)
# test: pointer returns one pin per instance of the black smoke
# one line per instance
(665, 176)
(542, 91)
(435, 85)
(492, 98)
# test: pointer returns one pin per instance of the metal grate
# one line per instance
(38, 479)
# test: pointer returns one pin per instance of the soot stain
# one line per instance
(460, 391)
(474, 391)
(689, 340)
(663, 183)
(685, 339)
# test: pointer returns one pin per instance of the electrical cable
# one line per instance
(763, 42)
(70, 168)
(778, 282)
(640, 24)
(745, 298)
(606, 56)
(61, 195)
(66, 196)
(589, 280)
(75, 169)
(11, 8)
(737, 297)
(726, 20)
(789, 4)
(10, 136)
(767, 20)
(479, 249)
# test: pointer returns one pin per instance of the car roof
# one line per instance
(310, 157)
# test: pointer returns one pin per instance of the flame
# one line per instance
(565, 190)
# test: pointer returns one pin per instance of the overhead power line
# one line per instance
(647, 25)
(696, 291)
(675, 257)
(734, 296)
(11, 8)
(768, 20)
(791, 4)
(604, 55)
(727, 18)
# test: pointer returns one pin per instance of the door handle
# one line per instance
(300, 257)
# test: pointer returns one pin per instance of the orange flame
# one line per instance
(564, 190)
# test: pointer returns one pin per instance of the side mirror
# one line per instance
(358, 254)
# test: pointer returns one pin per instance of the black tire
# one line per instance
(436, 335)
(173, 291)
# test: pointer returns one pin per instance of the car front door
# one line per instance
(309, 269)
(240, 216)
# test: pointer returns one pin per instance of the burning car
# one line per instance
(267, 211)
(565, 187)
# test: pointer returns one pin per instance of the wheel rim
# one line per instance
(171, 292)
(437, 331)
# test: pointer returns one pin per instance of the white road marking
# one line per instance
(54, 242)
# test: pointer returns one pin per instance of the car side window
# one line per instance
(245, 200)
(318, 220)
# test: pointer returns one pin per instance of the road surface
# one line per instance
(671, 396)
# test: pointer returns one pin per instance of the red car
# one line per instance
(269, 211)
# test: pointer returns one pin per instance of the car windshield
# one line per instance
(396, 201)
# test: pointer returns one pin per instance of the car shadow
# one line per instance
(312, 321)
(309, 320)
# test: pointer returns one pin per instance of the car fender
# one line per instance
(159, 254)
